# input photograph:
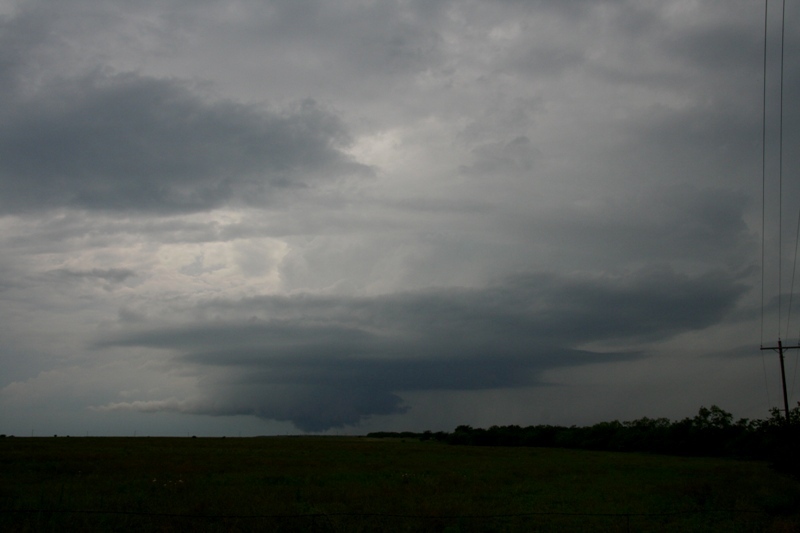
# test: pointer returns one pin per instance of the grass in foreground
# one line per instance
(359, 484)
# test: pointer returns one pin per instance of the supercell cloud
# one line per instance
(323, 362)
(313, 216)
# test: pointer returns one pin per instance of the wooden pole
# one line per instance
(780, 348)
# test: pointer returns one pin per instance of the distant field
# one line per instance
(359, 484)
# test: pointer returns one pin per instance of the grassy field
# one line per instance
(359, 484)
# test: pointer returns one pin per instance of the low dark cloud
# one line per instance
(110, 141)
(323, 362)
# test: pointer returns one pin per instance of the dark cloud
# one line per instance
(20, 38)
(381, 38)
(721, 48)
(576, 8)
(609, 150)
(111, 275)
(133, 143)
(667, 224)
(514, 156)
(324, 362)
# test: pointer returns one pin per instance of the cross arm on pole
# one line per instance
(780, 348)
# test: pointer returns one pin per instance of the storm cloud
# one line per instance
(274, 216)
(124, 142)
(328, 362)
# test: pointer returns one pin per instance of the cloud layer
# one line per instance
(325, 362)
(125, 142)
(346, 215)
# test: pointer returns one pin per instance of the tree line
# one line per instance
(712, 432)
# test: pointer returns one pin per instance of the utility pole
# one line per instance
(780, 348)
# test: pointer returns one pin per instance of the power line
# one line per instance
(780, 171)
(764, 195)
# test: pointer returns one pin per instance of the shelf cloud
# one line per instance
(326, 362)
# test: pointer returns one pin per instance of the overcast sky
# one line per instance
(263, 217)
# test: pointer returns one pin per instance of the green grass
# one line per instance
(360, 484)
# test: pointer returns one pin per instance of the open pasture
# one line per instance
(361, 484)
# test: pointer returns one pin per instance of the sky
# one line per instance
(259, 217)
